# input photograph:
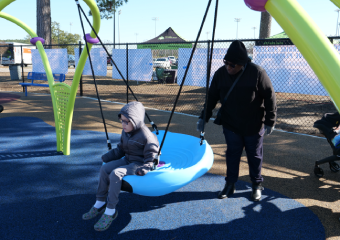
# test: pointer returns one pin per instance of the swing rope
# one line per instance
(185, 74)
(154, 126)
(94, 79)
(187, 68)
(208, 74)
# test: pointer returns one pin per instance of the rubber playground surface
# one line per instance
(44, 193)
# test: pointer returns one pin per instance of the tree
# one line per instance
(61, 37)
(108, 7)
(265, 25)
(44, 20)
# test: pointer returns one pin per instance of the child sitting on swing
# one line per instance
(134, 155)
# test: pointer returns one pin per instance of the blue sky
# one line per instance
(185, 16)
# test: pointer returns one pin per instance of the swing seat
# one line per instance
(183, 160)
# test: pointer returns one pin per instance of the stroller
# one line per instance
(326, 126)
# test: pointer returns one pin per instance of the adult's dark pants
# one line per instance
(253, 146)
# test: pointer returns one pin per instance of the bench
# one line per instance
(35, 76)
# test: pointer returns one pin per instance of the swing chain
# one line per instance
(202, 138)
(154, 126)
(97, 39)
(155, 163)
(109, 144)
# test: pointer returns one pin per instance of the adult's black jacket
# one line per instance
(251, 103)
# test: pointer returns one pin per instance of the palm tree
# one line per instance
(265, 25)
(44, 20)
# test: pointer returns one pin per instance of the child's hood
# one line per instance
(135, 112)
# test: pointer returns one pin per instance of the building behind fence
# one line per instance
(301, 99)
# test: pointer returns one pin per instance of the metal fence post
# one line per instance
(81, 76)
(127, 73)
(208, 55)
(22, 69)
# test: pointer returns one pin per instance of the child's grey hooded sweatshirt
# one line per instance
(139, 145)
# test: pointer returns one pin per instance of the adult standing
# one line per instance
(247, 114)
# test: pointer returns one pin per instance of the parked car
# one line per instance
(162, 63)
(71, 60)
(172, 59)
(108, 61)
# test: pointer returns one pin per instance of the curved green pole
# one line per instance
(318, 51)
(66, 135)
(76, 78)
(39, 45)
(47, 67)
(336, 2)
(4, 3)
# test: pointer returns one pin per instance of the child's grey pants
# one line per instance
(110, 180)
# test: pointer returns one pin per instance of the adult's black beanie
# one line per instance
(237, 53)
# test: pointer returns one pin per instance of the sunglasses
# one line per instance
(230, 64)
(123, 121)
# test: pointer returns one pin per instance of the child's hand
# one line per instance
(142, 171)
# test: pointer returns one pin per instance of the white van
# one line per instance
(12, 53)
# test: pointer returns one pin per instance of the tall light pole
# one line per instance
(114, 28)
(155, 19)
(136, 36)
(119, 12)
(208, 35)
(237, 20)
(254, 31)
(337, 23)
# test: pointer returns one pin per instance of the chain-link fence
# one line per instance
(154, 74)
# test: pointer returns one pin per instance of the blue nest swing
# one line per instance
(184, 157)
(183, 160)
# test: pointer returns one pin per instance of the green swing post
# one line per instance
(63, 96)
(46, 67)
(76, 79)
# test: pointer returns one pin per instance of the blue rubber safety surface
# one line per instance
(43, 195)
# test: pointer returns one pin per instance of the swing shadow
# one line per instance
(163, 217)
(234, 228)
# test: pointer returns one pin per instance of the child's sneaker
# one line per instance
(93, 212)
(336, 141)
(105, 221)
